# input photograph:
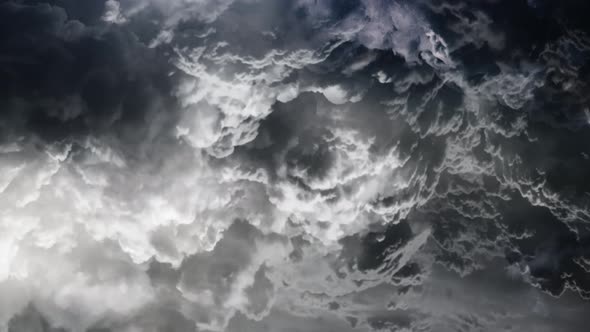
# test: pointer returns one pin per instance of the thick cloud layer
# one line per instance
(294, 165)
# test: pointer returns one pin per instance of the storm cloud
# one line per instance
(294, 165)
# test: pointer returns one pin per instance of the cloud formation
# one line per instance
(249, 165)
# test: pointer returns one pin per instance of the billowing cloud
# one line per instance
(250, 165)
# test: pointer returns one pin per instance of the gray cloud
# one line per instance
(293, 165)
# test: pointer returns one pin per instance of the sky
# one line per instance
(294, 165)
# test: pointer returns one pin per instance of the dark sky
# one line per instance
(294, 165)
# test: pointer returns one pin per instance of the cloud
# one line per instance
(113, 12)
(293, 165)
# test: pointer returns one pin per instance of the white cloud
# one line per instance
(112, 12)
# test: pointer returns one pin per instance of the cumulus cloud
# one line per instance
(213, 165)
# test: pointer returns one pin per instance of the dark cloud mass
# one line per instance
(294, 165)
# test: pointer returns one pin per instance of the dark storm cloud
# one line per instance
(294, 165)
(67, 74)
